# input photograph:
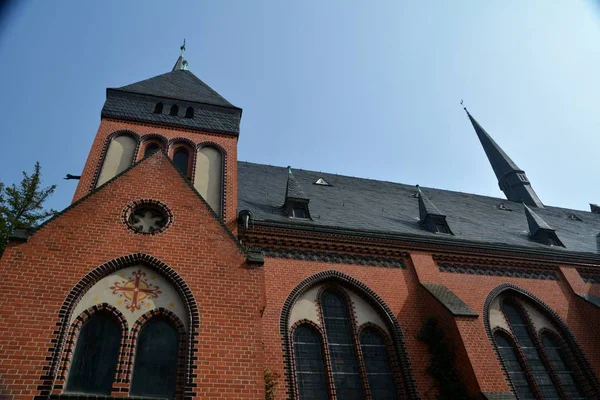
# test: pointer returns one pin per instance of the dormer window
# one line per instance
(299, 211)
(322, 182)
(442, 228)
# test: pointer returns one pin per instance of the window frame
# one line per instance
(536, 337)
(174, 148)
(356, 331)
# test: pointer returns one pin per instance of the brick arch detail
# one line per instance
(73, 335)
(590, 380)
(347, 282)
(109, 138)
(173, 319)
(223, 152)
(49, 376)
(152, 137)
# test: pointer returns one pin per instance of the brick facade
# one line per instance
(236, 309)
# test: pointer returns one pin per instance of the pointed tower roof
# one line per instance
(539, 229)
(430, 216)
(511, 179)
(138, 101)
(500, 161)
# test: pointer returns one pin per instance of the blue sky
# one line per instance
(369, 89)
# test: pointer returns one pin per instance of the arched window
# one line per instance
(538, 366)
(174, 110)
(95, 358)
(557, 354)
(158, 108)
(118, 157)
(377, 364)
(310, 367)
(513, 367)
(181, 159)
(189, 112)
(208, 178)
(342, 349)
(155, 368)
(151, 147)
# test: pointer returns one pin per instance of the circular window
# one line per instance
(147, 217)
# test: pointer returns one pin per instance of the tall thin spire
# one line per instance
(181, 63)
(511, 179)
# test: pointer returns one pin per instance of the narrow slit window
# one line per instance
(174, 110)
(377, 364)
(189, 112)
(158, 108)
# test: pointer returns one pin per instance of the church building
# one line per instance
(180, 272)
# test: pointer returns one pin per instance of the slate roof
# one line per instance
(363, 204)
(136, 102)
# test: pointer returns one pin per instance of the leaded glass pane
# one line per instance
(559, 361)
(379, 373)
(513, 367)
(155, 368)
(310, 366)
(346, 376)
(95, 358)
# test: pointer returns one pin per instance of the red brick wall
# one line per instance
(38, 275)
(108, 127)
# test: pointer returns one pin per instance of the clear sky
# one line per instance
(363, 88)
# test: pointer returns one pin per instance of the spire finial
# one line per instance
(182, 48)
(181, 63)
(462, 103)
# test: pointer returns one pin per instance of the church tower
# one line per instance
(176, 113)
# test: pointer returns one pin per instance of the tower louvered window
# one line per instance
(538, 366)
(310, 367)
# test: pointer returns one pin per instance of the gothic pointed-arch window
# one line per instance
(94, 361)
(174, 110)
(156, 359)
(118, 157)
(310, 366)
(537, 362)
(338, 348)
(377, 365)
(189, 112)
(182, 160)
(208, 177)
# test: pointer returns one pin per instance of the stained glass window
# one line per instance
(530, 351)
(340, 338)
(557, 355)
(155, 368)
(310, 367)
(95, 359)
(379, 374)
(513, 367)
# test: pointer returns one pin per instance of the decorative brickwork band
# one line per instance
(588, 276)
(53, 376)
(337, 278)
(337, 258)
(498, 271)
(586, 373)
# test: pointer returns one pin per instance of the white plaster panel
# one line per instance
(119, 157)
(156, 292)
(365, 313)
(539, 321)
(496, 316)
(305, 307)
(209, 175)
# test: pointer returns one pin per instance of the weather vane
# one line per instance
(182, 48)
(462, 104)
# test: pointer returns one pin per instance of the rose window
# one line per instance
(147, 217)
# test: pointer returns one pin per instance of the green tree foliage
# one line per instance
(22, 205)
